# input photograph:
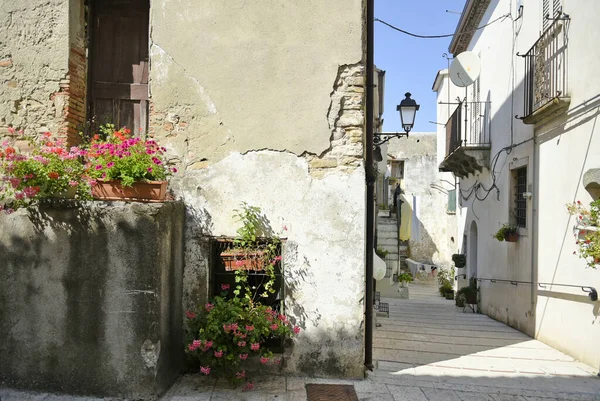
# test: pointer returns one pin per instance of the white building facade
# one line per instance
(524, 142)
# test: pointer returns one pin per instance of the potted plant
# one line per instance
(467, 295)
(459, 260)
(252, 249)
(587, 231)
(508, 233)
(126, 168)
(229, 334)
(445, 280)
(404, 279)
(48, 170)
(382, 253)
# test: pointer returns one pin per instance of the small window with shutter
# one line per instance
(451, 209)
(550, 9)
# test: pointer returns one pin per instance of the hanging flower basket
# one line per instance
(140, 191)
(511, 237)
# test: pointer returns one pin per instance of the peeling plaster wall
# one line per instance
(34, 58)
(422, 179)
(253, 76)
(263, 103)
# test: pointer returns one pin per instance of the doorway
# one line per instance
(118, 73)
(472, 260)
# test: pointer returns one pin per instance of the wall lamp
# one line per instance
(408, 109)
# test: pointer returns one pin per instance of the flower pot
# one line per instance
(243, 260)
(512, 237)
(142, 191)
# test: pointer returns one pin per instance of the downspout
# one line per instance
(534, 208)
(370, 181)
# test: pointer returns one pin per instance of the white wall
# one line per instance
(433, 244)
(564, 149)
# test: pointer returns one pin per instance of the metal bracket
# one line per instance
(380, 138)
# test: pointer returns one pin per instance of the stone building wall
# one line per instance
(264, 104)
(42, 67)
(436, 240)
(257, 102)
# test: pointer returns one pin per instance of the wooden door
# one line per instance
(119, 63)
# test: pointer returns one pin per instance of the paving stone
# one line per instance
(506, 397)
(296, 395)
(375, 397)
(407, 393)
(472, 396)
(295, 383)
(368, 386)
(434, 394)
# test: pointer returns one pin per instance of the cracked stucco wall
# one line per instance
(263, 103)
(34, 58)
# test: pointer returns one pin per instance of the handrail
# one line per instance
(591, 291)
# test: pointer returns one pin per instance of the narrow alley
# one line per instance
(429, 349)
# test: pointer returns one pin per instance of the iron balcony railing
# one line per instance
(468, 126)
(546, 68)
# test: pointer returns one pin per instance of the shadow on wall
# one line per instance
(422, 248)
(94, 286)
(587, 111)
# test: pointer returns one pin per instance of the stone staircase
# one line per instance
(387, 238)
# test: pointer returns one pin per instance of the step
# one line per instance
(387, 241)
(389, 247)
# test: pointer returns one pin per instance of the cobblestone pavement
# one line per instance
(427, 350)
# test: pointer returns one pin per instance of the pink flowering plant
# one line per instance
(116, 155)
(228, 334)
(48, 170)
(588, 235)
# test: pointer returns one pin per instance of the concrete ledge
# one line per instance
(91, 298)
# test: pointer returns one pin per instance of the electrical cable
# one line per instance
(502, 17)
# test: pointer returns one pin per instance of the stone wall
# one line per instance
(263, 103)
(34, 46)
(90, 298)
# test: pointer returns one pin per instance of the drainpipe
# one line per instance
(534, 208)
(370, 181)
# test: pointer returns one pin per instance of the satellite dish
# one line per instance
(465, 69)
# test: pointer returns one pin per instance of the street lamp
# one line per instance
(408, 109)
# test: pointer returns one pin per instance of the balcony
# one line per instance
(545, 81)
(467, 140)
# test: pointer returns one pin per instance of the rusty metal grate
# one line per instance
(330, 392)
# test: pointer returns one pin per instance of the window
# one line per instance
(398, 169)
(451, 209)
(550, 9)
(520, 210)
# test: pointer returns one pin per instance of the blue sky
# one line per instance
(410, 63)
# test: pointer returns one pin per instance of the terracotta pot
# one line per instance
(243, 260)
(512, 237)
(142, 191)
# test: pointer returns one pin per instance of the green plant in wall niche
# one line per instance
(587, 231)
(231, 332)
